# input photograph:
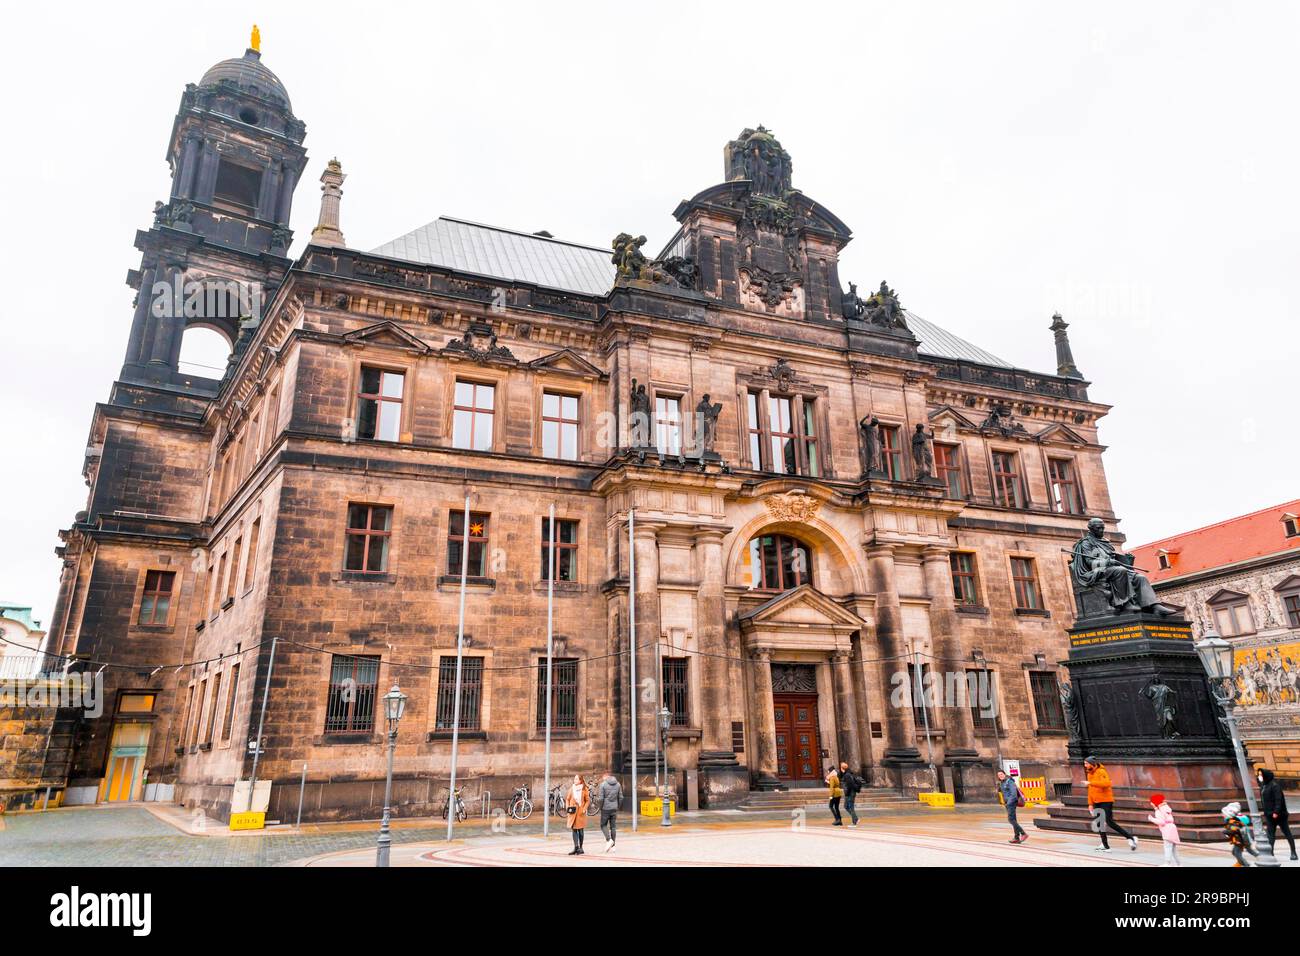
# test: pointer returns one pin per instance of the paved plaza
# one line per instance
(139, 835)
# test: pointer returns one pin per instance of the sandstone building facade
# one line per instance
(828, 492)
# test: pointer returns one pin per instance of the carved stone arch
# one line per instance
(831, 551)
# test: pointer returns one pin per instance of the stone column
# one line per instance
(945, 633)
(646, 548)
(164, 329)
(327, 231)
(711, 618)
(764, 721)
(900, 729)
(846, 712)
(140, 321)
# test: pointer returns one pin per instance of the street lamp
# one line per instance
(665, 722)
(394, 707)
(1216, 657)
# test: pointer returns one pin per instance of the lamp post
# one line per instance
(665, 722)
(394, 707)
(1216, 657)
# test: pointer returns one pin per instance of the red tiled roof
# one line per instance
(1237, 539)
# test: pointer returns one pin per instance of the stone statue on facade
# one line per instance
(1095, 564)
(884, 309)
(707, 420)
(683, 269)
(639, 417)
(870, 428)
(922, 455)
(1164, 699)
(851, 304)
(628, 257)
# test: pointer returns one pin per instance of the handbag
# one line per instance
(1020, 798)
(572, 810)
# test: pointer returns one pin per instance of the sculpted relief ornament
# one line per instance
(792, 506)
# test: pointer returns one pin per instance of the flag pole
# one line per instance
(550, 650)
(460, 646)
(631, 611)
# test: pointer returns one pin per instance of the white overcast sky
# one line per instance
(1133, 165)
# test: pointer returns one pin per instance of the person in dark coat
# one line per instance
(1010, 792)
(1272, 804)
(851, 784)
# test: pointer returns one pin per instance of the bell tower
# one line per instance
(218, 246)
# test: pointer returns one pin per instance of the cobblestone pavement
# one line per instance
(156, 836)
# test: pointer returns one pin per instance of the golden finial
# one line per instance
(255, 42)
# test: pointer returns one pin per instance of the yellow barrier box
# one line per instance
(248, 821)
(655, 808)
(937, 799)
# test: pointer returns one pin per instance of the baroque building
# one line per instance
(1240, 578)
(832, 497)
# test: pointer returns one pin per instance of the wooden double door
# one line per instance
(798, 753)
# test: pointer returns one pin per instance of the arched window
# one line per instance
(204, 352)
(778, 562)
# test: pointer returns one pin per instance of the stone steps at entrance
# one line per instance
(872, 798)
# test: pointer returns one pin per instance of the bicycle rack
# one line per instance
(485, 803)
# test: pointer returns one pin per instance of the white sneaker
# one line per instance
(609, 846)
(1100, 849)
(1133, 844)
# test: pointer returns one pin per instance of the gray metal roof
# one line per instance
(943, 344)
(503, 254)
(571, 267)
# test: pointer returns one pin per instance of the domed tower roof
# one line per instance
(249, 75)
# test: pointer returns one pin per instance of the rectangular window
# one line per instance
(1065, 490)
(475, 404)
(477, 540)
(755, 433)
(921, 696)
(218, 588)
(272, 418)
(471, 693)
(213, 577)
(156, 602)
(559, 426)
(136, 703)
(1007, 490)
(677, 697)
(668, 424)
(1291, 602)
(379, 404)
(1025, 580)
(200, 702)
(947, 467)
(232, 695)
(1047, 700)
(982, 698)
(350, 708)
(566, 549)
(232, 572)
(369, 531)
(189, 711)
(1235, 620)
(564, 693)
(237, 188)
(212, 709)
(787, 433)
(965, 585)
(891, 452)
(250, 562)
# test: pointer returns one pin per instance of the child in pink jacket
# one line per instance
(1163, 817)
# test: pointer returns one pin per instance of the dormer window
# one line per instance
(1291, 525)
(1164, 561)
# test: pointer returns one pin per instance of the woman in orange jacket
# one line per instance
(577, 802)
(1101, 804)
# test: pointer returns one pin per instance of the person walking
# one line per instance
(837, 794)
(851, 783)
(609, 797)
(1013, 798)
(1101, 796)
(1273, 806)
(1163, 817)
(577, 802)
(1236, 825)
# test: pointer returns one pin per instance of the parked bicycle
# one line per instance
(460, 805)
(520, 806)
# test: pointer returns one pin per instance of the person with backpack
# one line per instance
(837, 794)
(1236, 826)
(1013, 798)
(609, 797)
(851, 783)
(1273, 808)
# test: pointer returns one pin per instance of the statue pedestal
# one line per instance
(1117, 663)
